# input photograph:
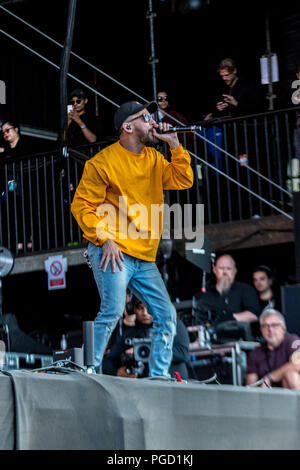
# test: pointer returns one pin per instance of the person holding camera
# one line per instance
(125, 323)
(120, 359)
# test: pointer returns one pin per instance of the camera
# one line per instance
(136, 363)
(141, 348)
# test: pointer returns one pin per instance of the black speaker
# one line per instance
(88, 343)
(290, 307)
(205, 369)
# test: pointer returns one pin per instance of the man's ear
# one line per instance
(127, 127)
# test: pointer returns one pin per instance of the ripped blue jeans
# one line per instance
(144, 280)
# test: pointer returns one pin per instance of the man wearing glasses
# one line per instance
(113, 204)
(82, 126)
(276, 362)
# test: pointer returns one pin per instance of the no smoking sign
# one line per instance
(56, 267)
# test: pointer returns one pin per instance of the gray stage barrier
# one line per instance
(92, 412)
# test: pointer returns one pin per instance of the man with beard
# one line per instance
(113, 206)
(264, 284)
(237, 97)
(226, 298)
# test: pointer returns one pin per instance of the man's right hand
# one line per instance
(111, 253)
(121, 372)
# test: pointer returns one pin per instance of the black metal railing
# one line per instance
(244, 166)
(36, 195)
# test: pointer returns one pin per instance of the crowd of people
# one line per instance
(133, 169)
(256, 309)
(236, 311)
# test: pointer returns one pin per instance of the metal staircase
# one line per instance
(231, 189)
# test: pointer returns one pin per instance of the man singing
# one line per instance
(113, 205)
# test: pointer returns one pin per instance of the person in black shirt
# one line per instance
(125, 323)
(264, 283)
(225, 298)
(120, 354)
(180, 351)
(82, 125)
(13, 145)
(238, 97)
(13, 149)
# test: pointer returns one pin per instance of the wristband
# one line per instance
(269, 377)
(83, 126)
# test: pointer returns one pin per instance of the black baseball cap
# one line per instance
(129, 108)
(79, 93)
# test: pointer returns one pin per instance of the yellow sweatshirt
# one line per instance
(119, 195)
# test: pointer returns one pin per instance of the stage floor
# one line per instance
(79, 411)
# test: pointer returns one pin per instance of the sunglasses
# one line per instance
(78, 101)
(162, 98)
(6, 131)
(146, 117)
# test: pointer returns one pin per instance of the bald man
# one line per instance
(228, 298)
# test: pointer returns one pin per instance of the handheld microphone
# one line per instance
(191, 128)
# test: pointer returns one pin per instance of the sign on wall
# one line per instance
(56, 267)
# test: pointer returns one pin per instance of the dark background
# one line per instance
(115, 36)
